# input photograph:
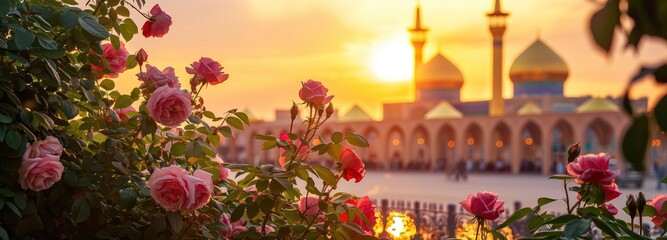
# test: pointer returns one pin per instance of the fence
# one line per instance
(434, 221)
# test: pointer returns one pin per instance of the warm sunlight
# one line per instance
(391, 60)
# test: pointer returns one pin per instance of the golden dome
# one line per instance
(597, 105)
(439, 73)
(538, 62)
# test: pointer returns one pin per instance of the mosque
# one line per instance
(529, 132)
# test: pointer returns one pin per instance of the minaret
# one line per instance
(497, 28)
(418, 38)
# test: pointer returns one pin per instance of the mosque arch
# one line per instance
(371, 154)
(420, 155)
(473, 147)
(500, 146)
(531, 144)
(446, 145)
(395, 147)
(562, 137)
(598, 137)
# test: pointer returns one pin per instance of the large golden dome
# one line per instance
(439, 73)
(538, 63)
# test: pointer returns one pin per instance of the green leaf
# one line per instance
(276, 187)
(544, 201)
(243, 117)
(337, 137)
(23, 39)
(128, 198)
(226, 131)
(90, 23)
(14, 208)
(3, 232)
(20, 199)
(46, 42)
(5, 118)
(53, 69)
(237, 213)
(115, 41)
(605, 227)
(326, 175)
(69, 109)
(68, 20)
(177, 149)
(252, 210)
(82, 210)
(4, 7)
(13, 139)
(175, 221)
(123, 101)
(660, 113)
(635, 142)
(604, 22)
(268, 145)
(518, 215)
(561, 177)
(576, 228)
(128, 29)
(356, 139)
(123, 11)
(235, 122)
(107, 84)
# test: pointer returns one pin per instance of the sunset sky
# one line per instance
(361, 51)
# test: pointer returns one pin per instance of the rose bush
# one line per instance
(83, 160)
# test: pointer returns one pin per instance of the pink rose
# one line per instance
(115, 58)
(169, 187)
(313, 92)
(485, 205)
(233, 228)
(309, 205)
(591, 168)
(159, 23)
(224, 173)
(40, 165)
(353, 167)
(201, 184)
(611, 192)
(169, 106)
(297, 143)
(207, 69)
(660, 213)
(153, 77)
(610, 208)
(122, 113)
(366, 207)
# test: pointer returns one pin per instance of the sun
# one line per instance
(391, 60)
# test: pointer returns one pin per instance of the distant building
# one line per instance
(527, 133)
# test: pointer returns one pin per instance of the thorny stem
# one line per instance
(576, 204)
(479, 225)
(137, 9)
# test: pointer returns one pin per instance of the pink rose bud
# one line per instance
(330, 110)
(309, 205)
(352, 167)
(611, 208)
(641, 203)
(592, 168)
(115, 58)
(631, 203)
(365, 205)
(294, 111)
(573, 152)
(141, 57)
(40, 165)
(660, 214)
(158, 25)
(314, 93)
(169, 106)
(207, 69)
(122, 113)
(485, 205)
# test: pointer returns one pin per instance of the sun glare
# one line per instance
(391, 60)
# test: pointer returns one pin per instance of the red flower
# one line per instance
(485, 205)
(610, 208)
(592, 168)
(367, 208)
(158, 25)
(141, 57)
(353, 167)
(610, 192)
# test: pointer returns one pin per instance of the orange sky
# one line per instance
(269, 47)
